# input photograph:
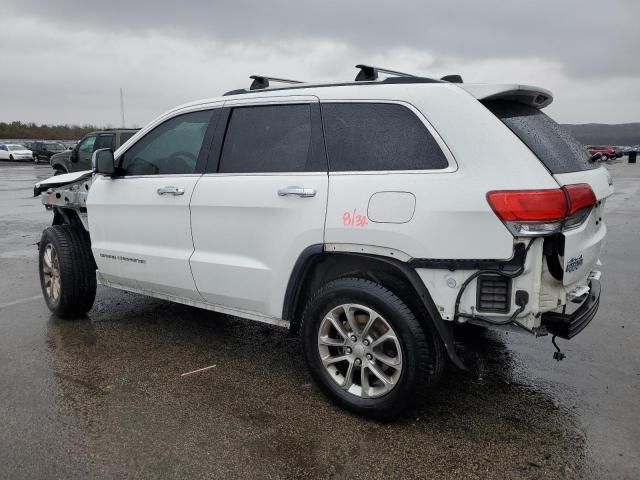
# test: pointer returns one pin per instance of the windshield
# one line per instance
(552, 144)
(15, 147)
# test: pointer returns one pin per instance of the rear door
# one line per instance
(261, 203)
(139, 222)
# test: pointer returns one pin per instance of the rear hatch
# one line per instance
(569, 163)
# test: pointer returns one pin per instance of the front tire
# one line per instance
(67, 270)
(366, 349)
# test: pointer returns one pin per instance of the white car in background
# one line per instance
(13, 151)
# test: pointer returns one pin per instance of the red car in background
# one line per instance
(606, 151)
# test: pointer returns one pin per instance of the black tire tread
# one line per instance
(430, 350)
(77, 269)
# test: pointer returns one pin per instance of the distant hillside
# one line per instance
(53, 132)
(595, 133)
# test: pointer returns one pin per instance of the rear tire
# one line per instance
(67, 270)
(410, 357)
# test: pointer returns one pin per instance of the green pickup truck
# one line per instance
(79, 157)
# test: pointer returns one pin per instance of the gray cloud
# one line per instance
(70, 57)
(589, 37)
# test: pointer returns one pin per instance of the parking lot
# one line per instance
(104, 397)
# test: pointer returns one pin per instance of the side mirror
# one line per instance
(102, 162)
(74, 154)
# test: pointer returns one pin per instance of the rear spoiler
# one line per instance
(533, 96)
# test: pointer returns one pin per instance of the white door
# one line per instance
(254, 213)
(139, 222)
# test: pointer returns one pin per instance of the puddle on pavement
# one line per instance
(256, 415)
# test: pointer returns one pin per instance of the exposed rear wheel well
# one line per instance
(325, 267)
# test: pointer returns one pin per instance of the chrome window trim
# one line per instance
(281, 100)
(267, 174)
(166, 175)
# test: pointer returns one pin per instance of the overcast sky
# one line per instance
(63, 61)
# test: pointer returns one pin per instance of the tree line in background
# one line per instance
(26, 131)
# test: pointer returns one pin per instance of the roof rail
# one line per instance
(260, 81)
(368, 73)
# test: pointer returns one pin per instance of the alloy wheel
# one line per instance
(360, 350)
(51, 273)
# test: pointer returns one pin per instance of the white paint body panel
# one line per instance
(141, 239)
(247, 238)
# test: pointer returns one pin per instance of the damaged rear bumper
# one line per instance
(569, 325)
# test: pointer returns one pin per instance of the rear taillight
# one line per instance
(542, 212)
(581, 200)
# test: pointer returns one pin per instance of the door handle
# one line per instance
(299, 191)
(170, 191)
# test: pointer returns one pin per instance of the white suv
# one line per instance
(369, 216)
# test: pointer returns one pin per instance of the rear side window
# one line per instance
(268, 139)
(378, 136)
(552, 144)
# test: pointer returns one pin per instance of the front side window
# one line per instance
(275, 138)
(378, 137)
(87, 144)
(172, 147)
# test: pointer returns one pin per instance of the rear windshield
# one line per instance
(552, 144)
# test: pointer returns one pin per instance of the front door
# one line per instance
(139, 222)
(256, 209)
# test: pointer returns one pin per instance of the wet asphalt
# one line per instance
(103, 397)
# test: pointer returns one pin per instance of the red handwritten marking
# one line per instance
(350, 219)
